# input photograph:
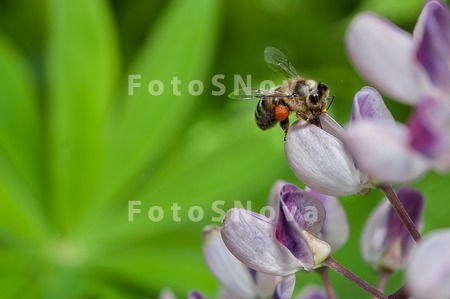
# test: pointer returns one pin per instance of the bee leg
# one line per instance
(303, 116)
(285, 127)
(317, 123)
(313, 121)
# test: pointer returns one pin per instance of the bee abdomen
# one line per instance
(265, 114)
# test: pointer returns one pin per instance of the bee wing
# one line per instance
(255, 94)
(278, 62)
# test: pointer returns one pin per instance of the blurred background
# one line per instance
(76, 149)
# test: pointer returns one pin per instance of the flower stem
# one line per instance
(333, 264)
(323, 271)
(382, 281)
(401, 212)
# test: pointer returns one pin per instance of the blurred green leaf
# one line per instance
(13, 278)
(20, 143)
(181, 45)
(20, 135)
(82, 72)
(21, 217)
(158, 273)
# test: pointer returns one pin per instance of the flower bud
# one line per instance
(386, 243)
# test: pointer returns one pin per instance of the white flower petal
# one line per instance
(166, 294)
(383, 151)
(228, 270)
(319, 160)
(225, 294)
(274, 200)
(428, 274)
(250, 237)
(331, 126)
(374, 234)
(266, 284)
(285, 288)
(383, 54)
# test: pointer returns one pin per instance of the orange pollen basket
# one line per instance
(281, 112)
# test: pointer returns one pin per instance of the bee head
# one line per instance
(319, 96)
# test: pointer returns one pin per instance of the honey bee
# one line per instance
(307, 98)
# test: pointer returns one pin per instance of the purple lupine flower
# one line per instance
(414, 69)
(195, 295)
(238, 280)
(429, 132)
(318, 158)
(404, 66)
(313, 292)
(168, 294)
(282, 248)
(428, 274)
(386, 243)
(335, 229)
(381, 147)
(369, 105)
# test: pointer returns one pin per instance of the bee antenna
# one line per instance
(331, 99)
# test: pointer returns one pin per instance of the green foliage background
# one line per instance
(75, 148)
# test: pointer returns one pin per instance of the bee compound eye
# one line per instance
(314, 97)
(322, 88)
